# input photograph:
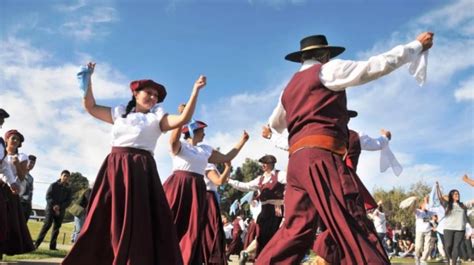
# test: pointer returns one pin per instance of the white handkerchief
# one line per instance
(418, 67)
(388, 159)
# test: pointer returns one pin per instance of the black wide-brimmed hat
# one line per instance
(313, 43)
(267, 159)
(4, 114)
(352, 113)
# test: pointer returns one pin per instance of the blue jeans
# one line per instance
(78, 223)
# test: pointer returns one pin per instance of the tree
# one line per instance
(78, 184)
(249, 170)
(392, 198)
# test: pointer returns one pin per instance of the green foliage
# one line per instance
(78, 184)
(249, 170)
(391, 200)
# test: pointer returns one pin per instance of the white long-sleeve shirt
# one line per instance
(253, 184)
(337, 75)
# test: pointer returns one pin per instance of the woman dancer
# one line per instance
(185, 188)
(213, 237)
(455, 220)
(18, 239)
(128, 219)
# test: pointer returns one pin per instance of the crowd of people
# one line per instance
(318, 202)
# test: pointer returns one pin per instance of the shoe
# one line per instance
(53, 249)
(243, 257)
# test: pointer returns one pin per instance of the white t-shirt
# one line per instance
(193, 158)
(422, 223)
(210, 186)
(379, 221)
(137, 130)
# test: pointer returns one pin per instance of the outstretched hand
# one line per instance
(386, 133)
(181, 108)
(200, 82)
(91, 67)
(426, 40)
(266, 132)
(245, 136)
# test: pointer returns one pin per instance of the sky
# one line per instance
(240, 46)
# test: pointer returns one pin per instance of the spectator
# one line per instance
(58, 198)
(27, 196)
(466, 245)
(422, 232)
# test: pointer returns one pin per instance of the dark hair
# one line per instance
(451, 201)
(317, 55)
(32, 157)
(131, 104)
(65, 171)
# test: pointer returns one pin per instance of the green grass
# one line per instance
(43, 252)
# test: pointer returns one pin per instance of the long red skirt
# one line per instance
(320, 184)
(186, 193)
(3, 216)
(128, 221)
(251, 233)
(213, 238)
(17, 239)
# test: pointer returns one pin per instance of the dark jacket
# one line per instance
(58, 194)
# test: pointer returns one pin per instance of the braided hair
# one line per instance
(131, 104)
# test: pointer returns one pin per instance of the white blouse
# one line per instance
(192, 158)
(6, 174)
(137, 130)
(210, 186)
(14, 174)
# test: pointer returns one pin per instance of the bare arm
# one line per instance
(217, 157)
(440, 195)
(468, 180)
(102, 113)
(217, 178)
(170, 122)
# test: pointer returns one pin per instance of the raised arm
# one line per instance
(176, 134)
(217, 157)
(170, 122)
(219, 179)
(440, 195)
(102, 113)
(374, 144)
(337, 75)
(468, 180)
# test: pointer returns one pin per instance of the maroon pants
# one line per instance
(186, 192)
(320, 184)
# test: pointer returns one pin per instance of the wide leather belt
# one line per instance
(320, 141)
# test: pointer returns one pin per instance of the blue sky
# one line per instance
(239, 45)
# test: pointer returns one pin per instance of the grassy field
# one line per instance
(43, 252)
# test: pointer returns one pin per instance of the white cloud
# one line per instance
(71, 7)
(91, 24)
(465, 91)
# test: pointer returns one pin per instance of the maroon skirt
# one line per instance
(213, 238)
(17, 239)
(128, 220)
(3, 216)
(186, 192)
(251, 233)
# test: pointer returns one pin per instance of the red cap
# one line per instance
(141, 84)
(10, 133)
(194, 125)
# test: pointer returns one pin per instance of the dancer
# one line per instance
(313, 109)
(128, 218)
(213, 237)
(454, 223)
(185, 189)
(18, 238)
(270, 186)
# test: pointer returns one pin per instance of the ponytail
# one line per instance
(131, 104)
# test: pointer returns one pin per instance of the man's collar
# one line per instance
(308, 63)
